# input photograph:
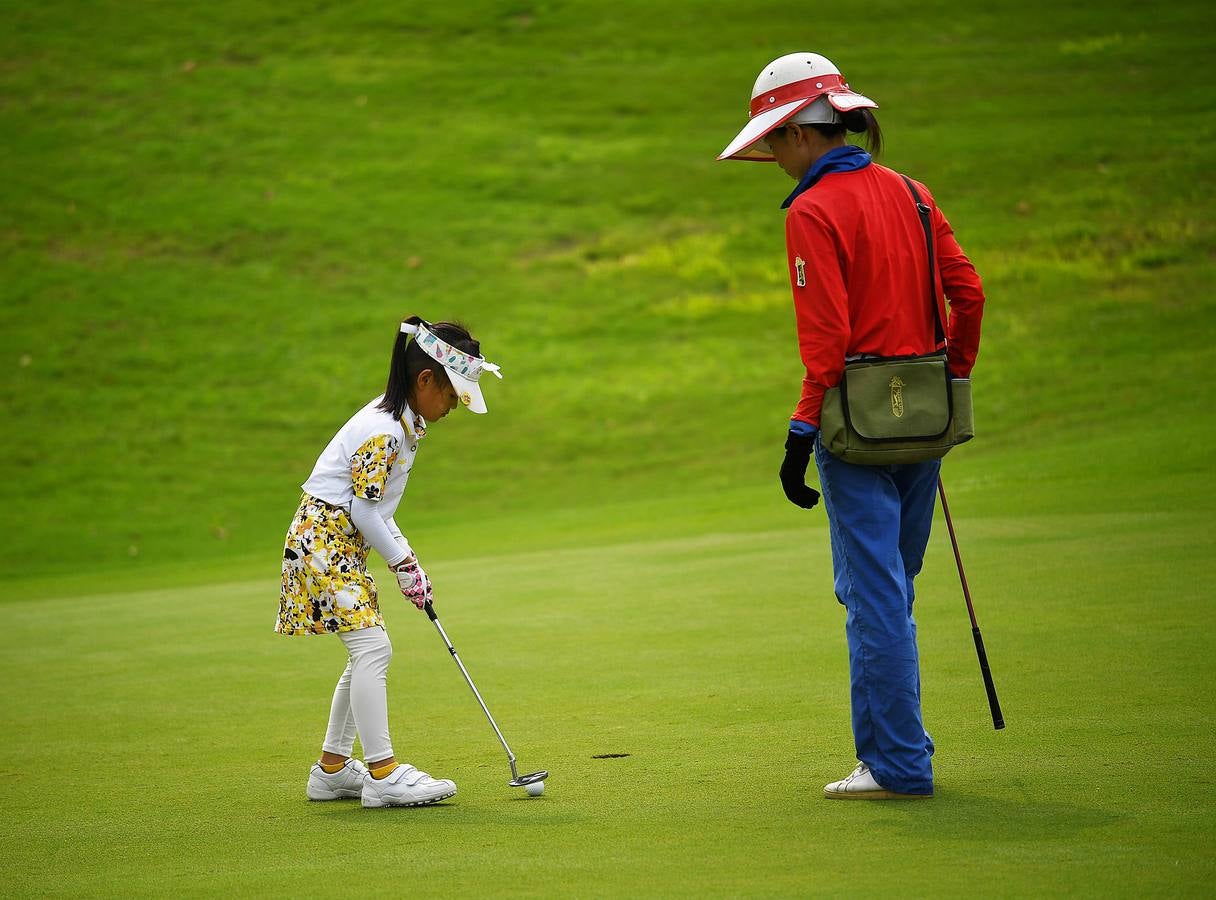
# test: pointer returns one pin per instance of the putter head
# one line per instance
(531, 778)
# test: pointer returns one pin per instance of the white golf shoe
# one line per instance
(860, 785)
(345, 784)
(405, 786)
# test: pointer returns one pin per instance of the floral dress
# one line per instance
(326, 587)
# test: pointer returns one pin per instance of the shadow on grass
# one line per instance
(506, 810)
(961, 815)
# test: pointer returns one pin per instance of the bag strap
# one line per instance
(922, 209)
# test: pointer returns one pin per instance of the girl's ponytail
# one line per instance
(397, 390)
(856, 121)
(864, 120)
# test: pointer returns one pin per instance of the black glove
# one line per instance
(798, 448)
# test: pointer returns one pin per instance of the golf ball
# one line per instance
(536, 788)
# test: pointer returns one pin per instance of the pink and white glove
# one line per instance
(414, 584)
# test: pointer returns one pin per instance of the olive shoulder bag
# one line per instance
(899, 409)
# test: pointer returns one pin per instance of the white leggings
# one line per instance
(361, 697)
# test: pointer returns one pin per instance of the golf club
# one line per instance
(517, 780)
(998, 720)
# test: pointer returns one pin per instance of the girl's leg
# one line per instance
(370, 653)
(340, 735)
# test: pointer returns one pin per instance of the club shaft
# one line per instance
(958, 559)
(465, 672)
(994, 704)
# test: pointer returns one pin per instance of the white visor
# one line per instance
(463, 369)
(468, 391)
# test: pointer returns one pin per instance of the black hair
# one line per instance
(410, 361)
(857, 121)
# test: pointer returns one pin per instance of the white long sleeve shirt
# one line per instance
(365, 469)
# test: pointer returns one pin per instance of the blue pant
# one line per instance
(880, 518)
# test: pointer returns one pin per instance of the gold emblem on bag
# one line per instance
(897, 397)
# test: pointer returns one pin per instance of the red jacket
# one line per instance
(858, 267)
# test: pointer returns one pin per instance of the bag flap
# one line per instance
(897, 400)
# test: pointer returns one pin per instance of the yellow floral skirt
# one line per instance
(326, 587)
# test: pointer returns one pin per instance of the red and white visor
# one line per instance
(773, 108)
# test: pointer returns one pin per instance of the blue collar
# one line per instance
(839, 159)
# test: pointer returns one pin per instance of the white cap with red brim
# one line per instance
(463, 369)
(784, 91)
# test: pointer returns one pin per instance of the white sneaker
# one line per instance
(861, 786)
(405, 786)
(345, 784)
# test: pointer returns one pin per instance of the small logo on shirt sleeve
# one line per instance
(800, 269)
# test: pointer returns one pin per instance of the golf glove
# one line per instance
(798, 448)
(414, 584)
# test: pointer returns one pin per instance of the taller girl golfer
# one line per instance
(347, 509)
(858, 267)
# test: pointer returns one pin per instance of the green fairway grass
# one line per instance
(211, 220)
(188, 727)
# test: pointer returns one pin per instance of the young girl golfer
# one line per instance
(346, 510)
(858, 267)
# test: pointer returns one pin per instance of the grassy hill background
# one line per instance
(212, 218)
(217, 215)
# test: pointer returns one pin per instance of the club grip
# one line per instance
(998, 719)
(430, 611)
